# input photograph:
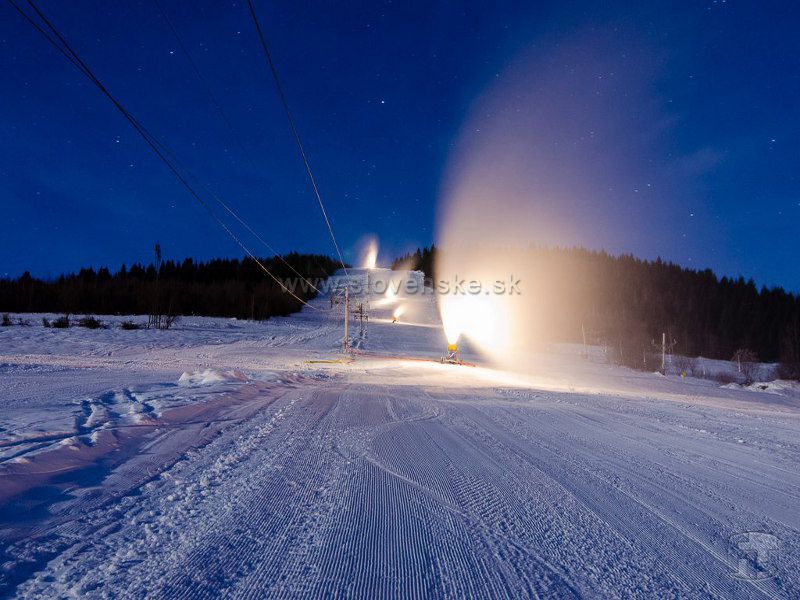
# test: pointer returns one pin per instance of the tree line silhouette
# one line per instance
(627, 303)
(219, 287)
(620, 301)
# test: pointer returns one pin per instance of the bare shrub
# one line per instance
(789, 370)
(46, 322)
(129, 326)
(168, 321)
(160, 318)
(156, 318)
(746, 363)
(6, 320)
(91, 323)
(725, 378)
(789, 367)
(630, 346)
(686, 365)
(61, 322)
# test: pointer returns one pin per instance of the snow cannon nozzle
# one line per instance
(452, 355)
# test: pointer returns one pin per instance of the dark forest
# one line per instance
(220, 288)
(627, 303)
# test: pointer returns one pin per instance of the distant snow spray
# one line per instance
(511, 186)
(369, 253)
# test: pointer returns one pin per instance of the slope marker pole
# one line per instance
(346, 316)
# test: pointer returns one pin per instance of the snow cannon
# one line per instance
(452, 355)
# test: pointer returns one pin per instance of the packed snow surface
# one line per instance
(227, 458)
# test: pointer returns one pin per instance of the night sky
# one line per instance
(699, 102)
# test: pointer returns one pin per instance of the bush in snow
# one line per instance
(61, 322)
(129, 325)
(45, 322)
(91, 323)
(6, 320)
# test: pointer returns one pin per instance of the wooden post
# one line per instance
(346, 316)
(664, 353)
(583, 332)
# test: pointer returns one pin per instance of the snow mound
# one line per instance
(210, 376)
(778, 386)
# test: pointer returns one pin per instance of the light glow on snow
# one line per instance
(389, 297)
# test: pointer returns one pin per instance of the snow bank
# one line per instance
(210, 376)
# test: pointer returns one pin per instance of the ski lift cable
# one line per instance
(209, 91)
(166, 150)
(171, 155)
(68, 51)
(258, 237)
(47, 36)
(295, 133)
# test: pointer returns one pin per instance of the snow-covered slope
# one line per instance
(254, 460)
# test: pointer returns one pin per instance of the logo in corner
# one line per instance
(754, 551)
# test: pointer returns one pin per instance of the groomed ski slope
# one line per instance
(232, 459)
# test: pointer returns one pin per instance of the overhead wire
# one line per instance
(46, 35)
(67, 50)
(293, 127)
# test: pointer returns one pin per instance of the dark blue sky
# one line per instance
(381, 93)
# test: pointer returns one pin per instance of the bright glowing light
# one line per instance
(398, 312)
(478, 318)
(454, 318)
(371, 254)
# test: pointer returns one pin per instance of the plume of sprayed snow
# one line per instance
(369, 253)
(557, 152)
